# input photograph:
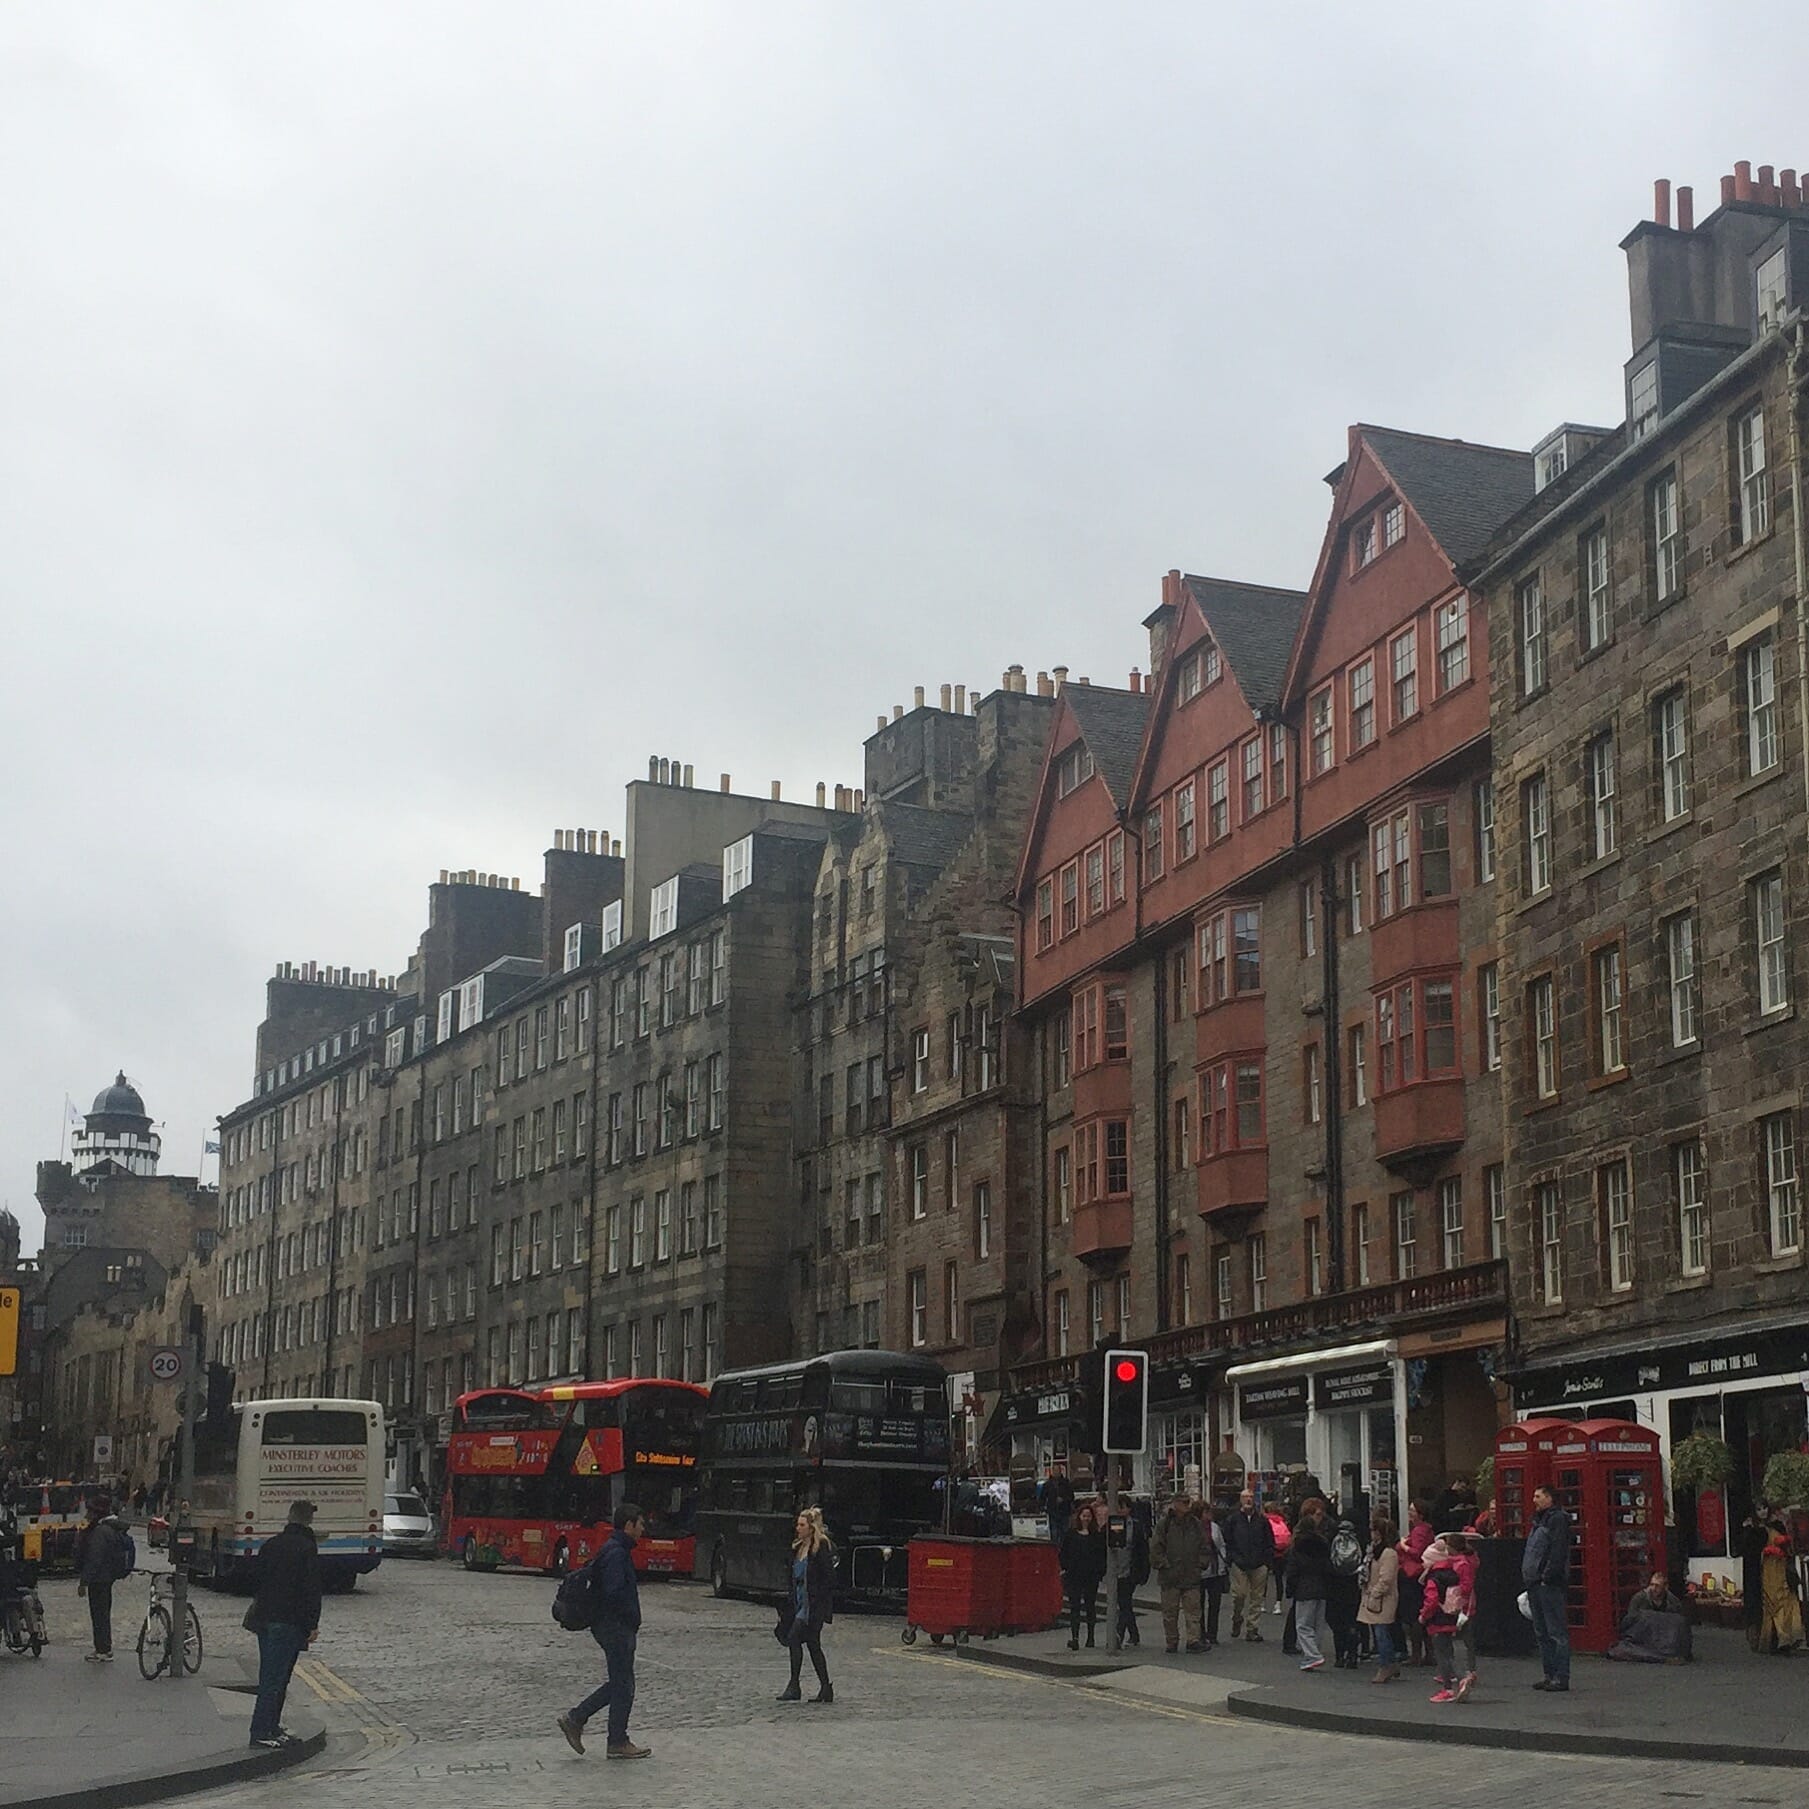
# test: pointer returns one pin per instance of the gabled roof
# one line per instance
(1461, 491)
(1111, 724)
(1254, 626)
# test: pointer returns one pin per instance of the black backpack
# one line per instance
(576, 1605)
(1347, 1552)
(1139, 1557)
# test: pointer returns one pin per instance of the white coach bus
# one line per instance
(251, 1466)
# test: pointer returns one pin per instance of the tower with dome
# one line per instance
(117, 1131)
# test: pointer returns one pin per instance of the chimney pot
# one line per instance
(775, 791)
(1743, 180)
(822, 794)
(687, 775)
(653, 768)
(1727, 190)
(1686, 210)
(515, 885)
(442, 876)
(1787, 189)
(961, 700)
(1061, 678)
(947, 695)
(897, 711)
(1661, 202)
(1768, 184)
(1136, 679)
(882, 720)
(1043, 687)
(860, 799)
(725, 782)
(1083, 681)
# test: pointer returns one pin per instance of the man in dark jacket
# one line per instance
(100, 1558)
(1175, 1557)
(618, 1621)
(285, 1615)
(1250, 1546)
(1058, 1504)
(1545, 1570)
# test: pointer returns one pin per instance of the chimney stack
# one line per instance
(615, 847)
(776, 791)
(653, 768)
(1061, 678)
(947, 696)
(725, 782)
(1136, 681)
(882, 720)
(897, 711)
(687, 775)
(961, 700)
(1686, 210)
(1768, 185)
(823, 794)
(917, 697)
(1661, 202)
(1743, 180)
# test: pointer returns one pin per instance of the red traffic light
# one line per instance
(1125, 1369)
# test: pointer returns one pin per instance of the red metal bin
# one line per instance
(955, 1587)
(1033, 1586)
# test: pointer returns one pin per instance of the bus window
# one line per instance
(858, 1397)
(315, 1426)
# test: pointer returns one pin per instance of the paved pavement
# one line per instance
(440, 1686)
(96, 1735)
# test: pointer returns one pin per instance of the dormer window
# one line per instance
(1394, 525)
(1364, 543)
(1073, 769)
(1191, 678)
(737, 867)
(612, 925)
(1551, 465)
(1642, 402)
(663, 914)
(1771, 290)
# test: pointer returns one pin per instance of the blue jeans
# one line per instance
(280, 1644)
(1383, 1634)
(617, 1692)
(1550, 1603)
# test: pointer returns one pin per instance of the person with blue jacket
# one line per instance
(618, 1622)
(1545, 1570)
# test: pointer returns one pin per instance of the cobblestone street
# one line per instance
(441, 1688)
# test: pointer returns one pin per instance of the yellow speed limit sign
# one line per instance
(9, 1330)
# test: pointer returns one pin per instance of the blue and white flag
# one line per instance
(75, 1117)
(210, 1148)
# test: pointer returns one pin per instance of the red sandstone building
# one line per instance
(1255, 940)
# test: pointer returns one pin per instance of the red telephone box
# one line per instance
(1608, 1478)
(1522, 1464)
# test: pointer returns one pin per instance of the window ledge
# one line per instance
(1687, 1284)
(1778, 1265)
(1681, 1053)
(1537, 899)
(1586, 654)
(1532, 697)
(1770, 1021)
(1462, 685)
(1770, 776)
(1359, 753)
(1552, 1309)
(1600, 864)
(1676, 823)
(1542, 1105)
(1738, 550)
(1600, 1081)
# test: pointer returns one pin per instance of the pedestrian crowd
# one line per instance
(1400, 1598)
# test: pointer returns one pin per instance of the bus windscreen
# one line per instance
(313, 1426)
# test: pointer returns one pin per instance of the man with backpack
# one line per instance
(104, 1554)
(1175, 1555)
(605, 1598)
(1343, 1593)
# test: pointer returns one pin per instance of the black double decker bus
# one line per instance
(861, 1434)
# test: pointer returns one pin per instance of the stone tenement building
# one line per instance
(1649, 769)
(1256, 937)
(911, 1233)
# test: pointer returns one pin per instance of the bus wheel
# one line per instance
(468, 1554)
(909, 1636)
(562, 1560)
(719, 1573)
(936, 1639)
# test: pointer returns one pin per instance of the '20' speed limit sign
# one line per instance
(166, 1363)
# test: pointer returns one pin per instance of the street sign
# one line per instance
(166, 1363)
(9, 1330)
(103, 1449)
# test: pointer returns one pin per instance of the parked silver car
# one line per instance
(408, 1527)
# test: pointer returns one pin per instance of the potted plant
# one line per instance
(1787, 1480)
(1701, 1461)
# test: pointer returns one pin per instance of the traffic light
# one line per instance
(1126, 1400)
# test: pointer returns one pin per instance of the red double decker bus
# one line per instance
(533, 1478)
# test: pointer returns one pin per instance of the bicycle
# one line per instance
(155, 1636)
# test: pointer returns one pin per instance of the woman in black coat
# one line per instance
(812, 1603)
(1083, 1557)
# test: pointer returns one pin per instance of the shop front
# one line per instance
(1339, 1414)
(1750, 1389)
(1180, 1445)
(1034, 1429)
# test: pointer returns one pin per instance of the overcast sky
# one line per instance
(411, 417)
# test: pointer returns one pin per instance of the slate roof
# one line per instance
(1462, 492)
(1112, 724)
(1254, 626)
(917, 837)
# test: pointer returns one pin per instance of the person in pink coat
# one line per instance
(1411, 1551)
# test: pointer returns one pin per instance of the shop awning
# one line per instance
(1374, 1348)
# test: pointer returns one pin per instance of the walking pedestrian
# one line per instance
(1250, 1545)
(1083, 1561)
(1420, 1533)
(103, 1555)
(1380, 1607)
(1464, 1561)
(812, 1603)
(615, 1629)
(1058, 1504)
(1308, 1569)
(285, 1615)
(1175, 1558)
(1545, 1570)
(1214, 1577)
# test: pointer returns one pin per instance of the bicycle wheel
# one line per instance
(191, 1646)
(154, 1643)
